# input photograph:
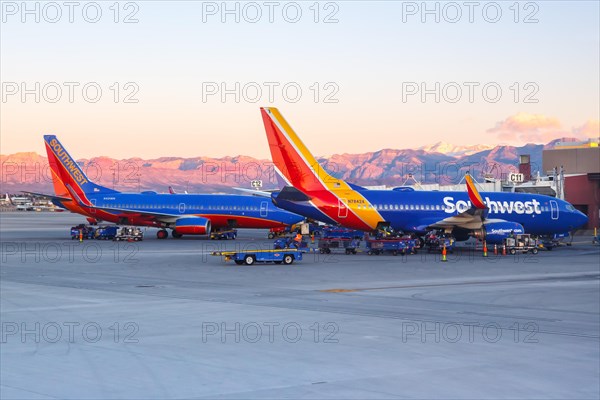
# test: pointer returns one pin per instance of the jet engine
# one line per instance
(497, 231)
(192, 226)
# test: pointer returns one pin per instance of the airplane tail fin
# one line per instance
(67, 173)
(306, 180)
(293, 161)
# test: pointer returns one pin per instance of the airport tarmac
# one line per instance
(163, 319)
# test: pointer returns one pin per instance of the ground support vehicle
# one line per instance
(224, 235)
(82, 231)
(523, 243)
(436, 244)
(280, 232)
(129, 233)
(350, 246)
(393, 245)
(106, 232)
(277, 256)
(288, 242)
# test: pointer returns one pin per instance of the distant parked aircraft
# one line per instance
(184, 214)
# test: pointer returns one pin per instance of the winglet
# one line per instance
(474, 195)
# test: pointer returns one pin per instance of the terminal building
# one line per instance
(581, 165)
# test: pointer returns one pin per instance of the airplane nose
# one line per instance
(581, 219)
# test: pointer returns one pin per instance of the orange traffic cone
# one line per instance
(312, 238)
(495, 249)
(81, 235)
(484, 249)
(444, 253)
(504, 250)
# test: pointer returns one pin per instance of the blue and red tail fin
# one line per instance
(66, 172)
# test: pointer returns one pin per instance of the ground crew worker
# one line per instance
(298, 240)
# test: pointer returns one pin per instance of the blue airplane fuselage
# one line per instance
(414, 211)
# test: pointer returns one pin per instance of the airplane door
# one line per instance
(264, 209)
(93, 210)
(554, 209)
(342, 208)
(181, 208)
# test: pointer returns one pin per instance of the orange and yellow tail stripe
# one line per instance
(299, 167)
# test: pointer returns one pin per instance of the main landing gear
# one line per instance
(163, 234)
(176, 235)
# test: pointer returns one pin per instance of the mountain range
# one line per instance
(441, 162)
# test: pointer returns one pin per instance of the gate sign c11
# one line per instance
(516, 178)
(256, 184)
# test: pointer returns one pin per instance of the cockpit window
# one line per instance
(570, 207)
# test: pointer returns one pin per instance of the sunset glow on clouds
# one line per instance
(591, 129)
(538, 128)
(543, 79)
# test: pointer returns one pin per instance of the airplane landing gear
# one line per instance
(176, 235)
(162, 234)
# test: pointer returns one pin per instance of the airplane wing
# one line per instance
(473, 218)
(149, 215)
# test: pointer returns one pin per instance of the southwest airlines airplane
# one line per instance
(312, 192)
(185, 214)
